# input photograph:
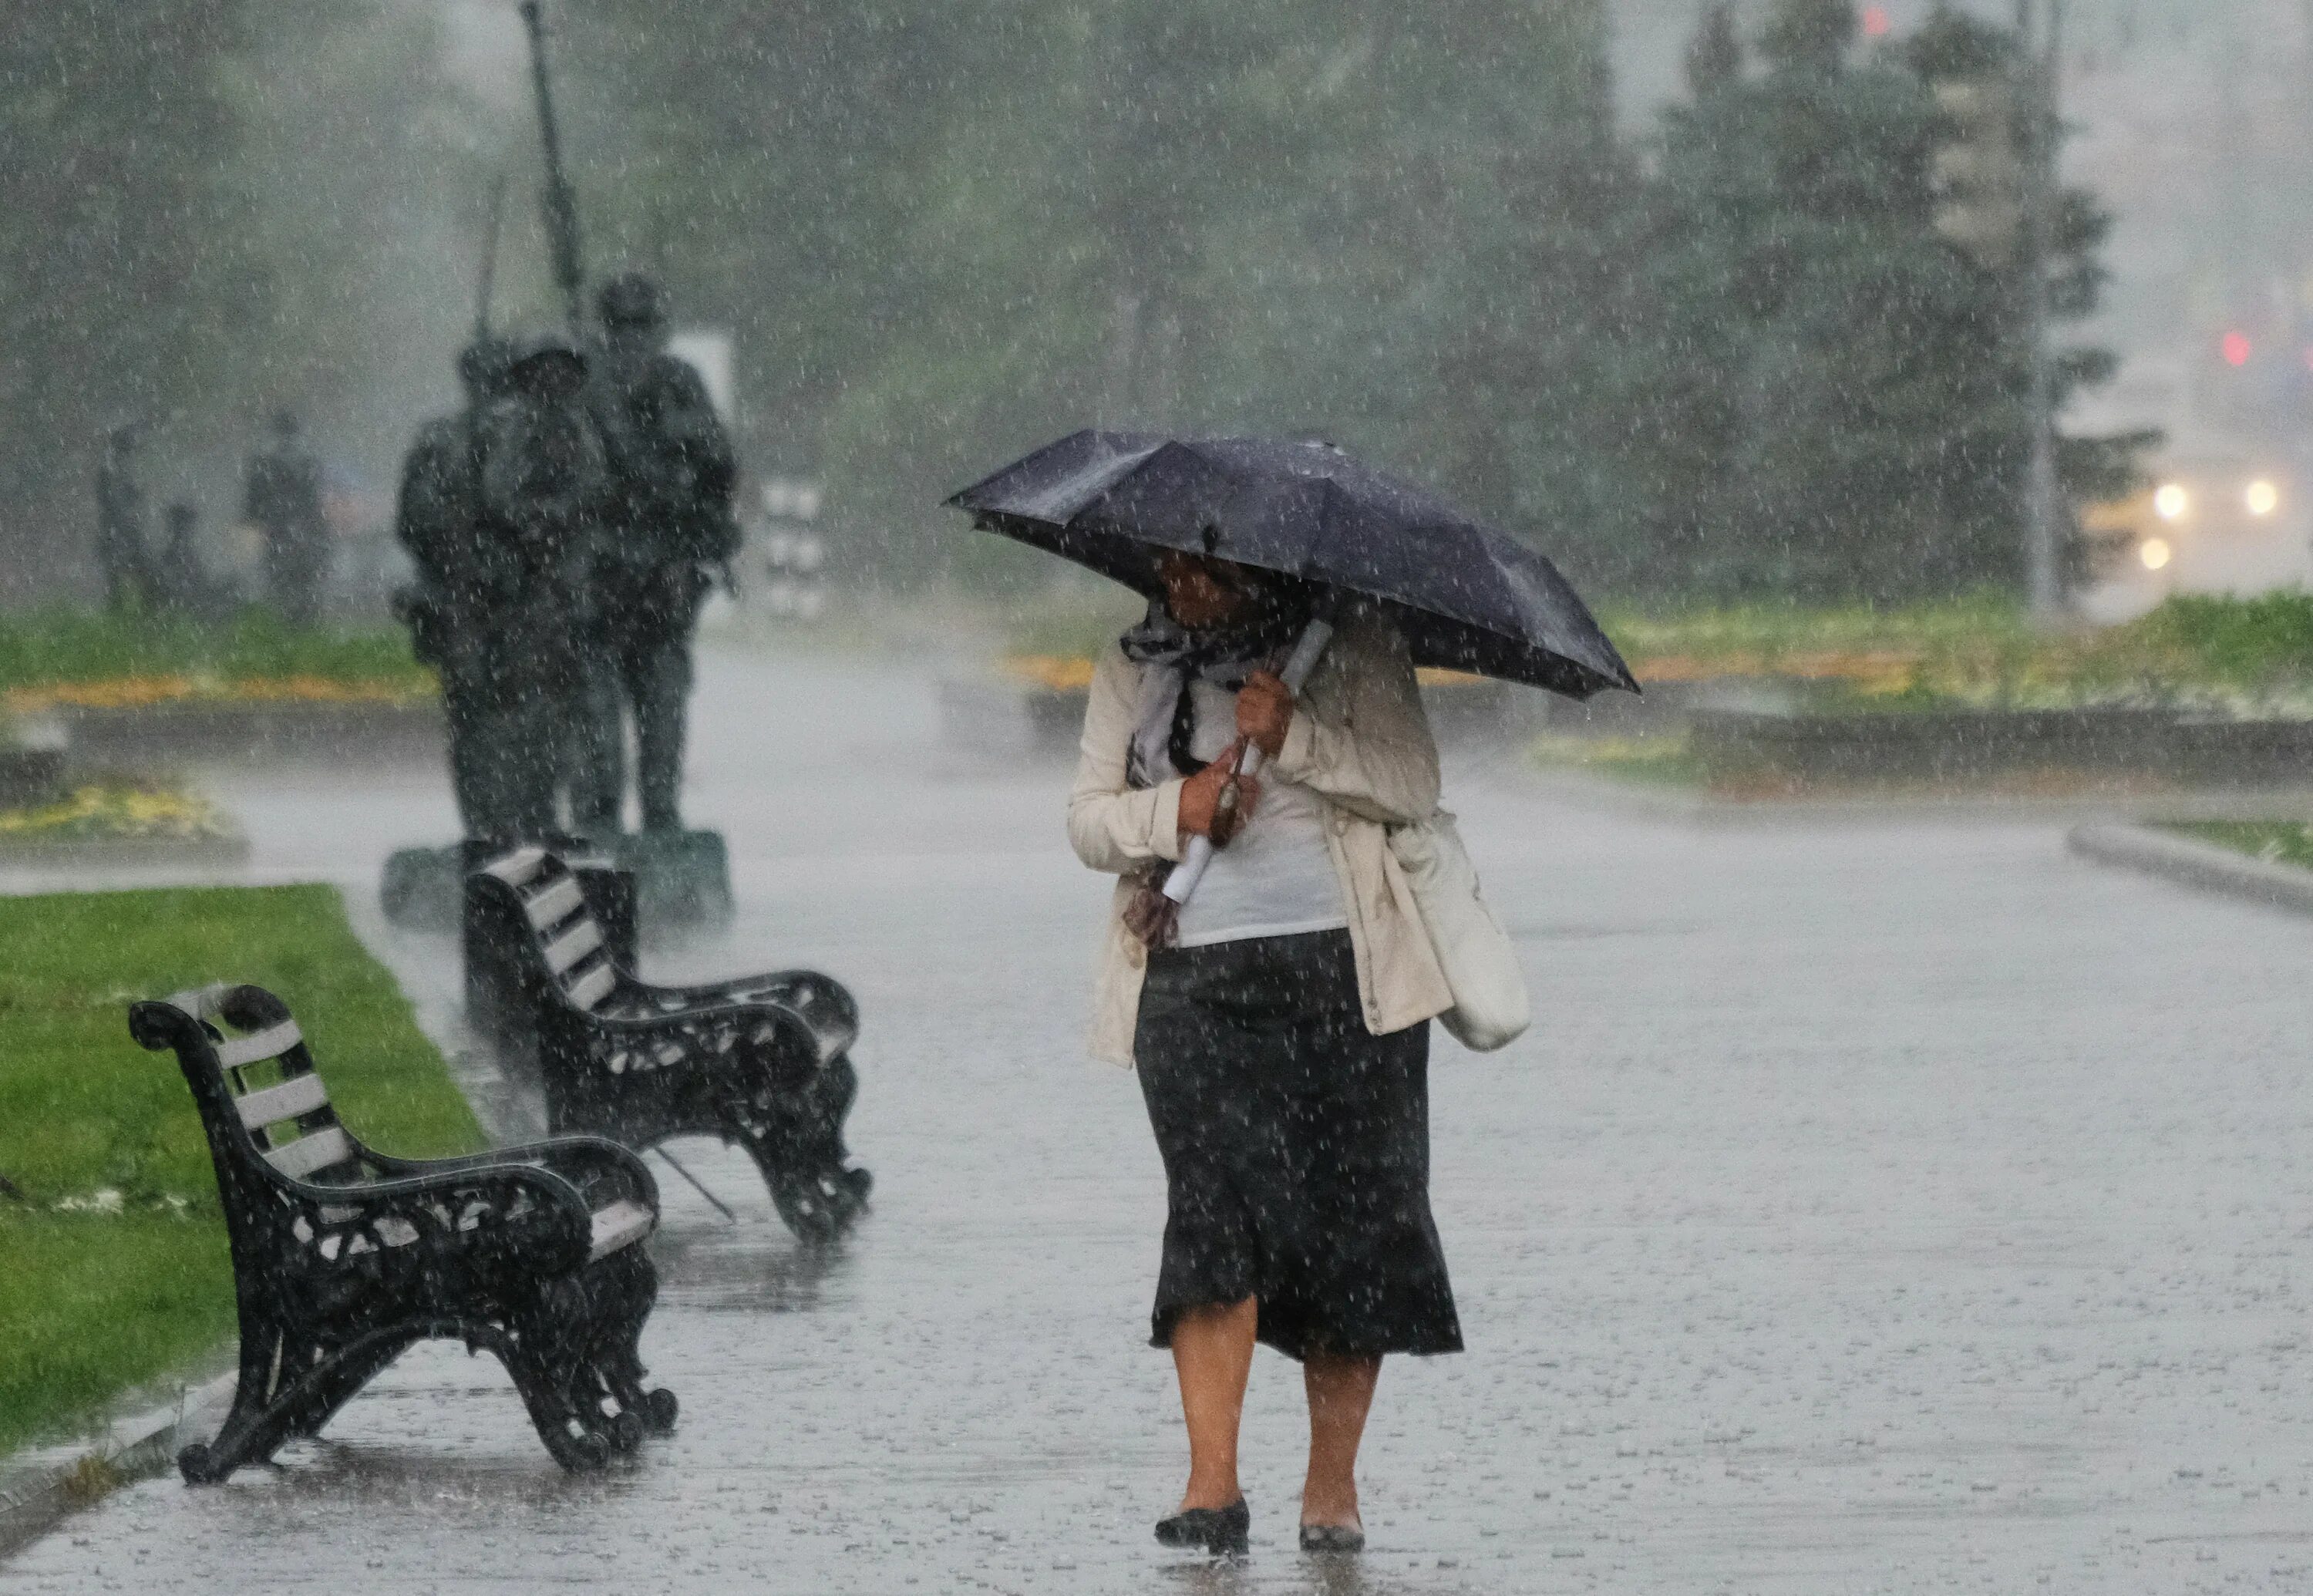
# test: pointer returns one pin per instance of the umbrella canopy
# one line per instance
(1465, 596)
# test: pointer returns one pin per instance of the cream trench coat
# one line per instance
(1359, 741)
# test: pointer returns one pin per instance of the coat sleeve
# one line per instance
(1112, 827)
(1359, 735)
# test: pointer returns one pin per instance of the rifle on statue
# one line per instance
(559, 202)
(487, 287)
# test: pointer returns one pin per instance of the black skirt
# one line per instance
(1296, 1147)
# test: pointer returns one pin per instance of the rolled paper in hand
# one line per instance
(1183, 878)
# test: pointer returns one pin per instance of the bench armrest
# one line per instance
(599, 1169)
(558, 1245)
(828, 1034)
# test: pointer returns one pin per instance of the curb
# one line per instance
(2094, 811)
(326, 731)
(100, 852)
(2196, 864)
(39, 1491)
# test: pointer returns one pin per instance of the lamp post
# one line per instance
(2045, 518)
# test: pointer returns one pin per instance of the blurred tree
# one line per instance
(1812, 36)
(1844, 389)
(944, 234)
(115, 247)
(882, 202)
(1714, 55)
(358, 189)
(209, 207)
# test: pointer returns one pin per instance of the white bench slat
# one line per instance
(553, 906)
(595, 986)
(519, 868)
(573, 945)
(319, 1150)
(199, 1002)
(621, 1224)
(271, 1042)
(292, 1097)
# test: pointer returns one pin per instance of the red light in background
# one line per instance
(2237, 348)
(1877, 22)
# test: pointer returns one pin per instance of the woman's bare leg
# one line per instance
(1341, 1394)
(1212, 1353)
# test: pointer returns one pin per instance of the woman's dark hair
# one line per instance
(1277, 599)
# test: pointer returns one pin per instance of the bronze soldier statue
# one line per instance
(181, 584)
(120, 551)
(544, 487)
(282, 496)
(439, 520)
(672, 526)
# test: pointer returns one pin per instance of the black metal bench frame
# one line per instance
(343, 1257)
(763, 1062)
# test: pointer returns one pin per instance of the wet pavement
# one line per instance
(1894, 1206)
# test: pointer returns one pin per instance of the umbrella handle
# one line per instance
(1182, 878)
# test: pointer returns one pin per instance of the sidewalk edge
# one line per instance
(2195, 863)
(38, 1496)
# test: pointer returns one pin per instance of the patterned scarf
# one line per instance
(1171, 658)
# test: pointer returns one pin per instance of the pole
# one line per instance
(489, 275)
(558, 201)
(2043, 509)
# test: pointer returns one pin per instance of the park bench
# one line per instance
(342, 1256)
(762, 1061)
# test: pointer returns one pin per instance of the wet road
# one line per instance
(1896, 1207)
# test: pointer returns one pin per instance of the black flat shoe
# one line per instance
(1331, 1537)
(1224, 1531)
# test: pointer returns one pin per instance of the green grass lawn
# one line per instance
(2246, 656)
(113, 1264)
(2278, 842)
(59, 646)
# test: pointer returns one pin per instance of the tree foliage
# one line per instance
(949, 233)
(204, 212)
(1737, 357)
(112, 294)
(1842, 395)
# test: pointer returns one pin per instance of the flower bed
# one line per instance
(140, 693)
(68, 659)
(116, 810)
(2239, 658)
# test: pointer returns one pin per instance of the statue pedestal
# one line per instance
(682, 881)
(424, 888)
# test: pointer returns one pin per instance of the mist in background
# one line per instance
(937, 236)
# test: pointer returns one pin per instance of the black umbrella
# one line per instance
(1465, 596)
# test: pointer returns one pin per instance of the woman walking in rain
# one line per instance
(1279, 1020)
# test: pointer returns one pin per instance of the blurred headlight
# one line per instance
(2154, 552)
(2171, 502)
(2261, 498)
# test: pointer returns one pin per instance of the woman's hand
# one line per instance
(1205, 811)
(1264, 712)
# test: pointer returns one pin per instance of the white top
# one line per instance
(1276, 877)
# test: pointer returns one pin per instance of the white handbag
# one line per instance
(1490, 1009)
